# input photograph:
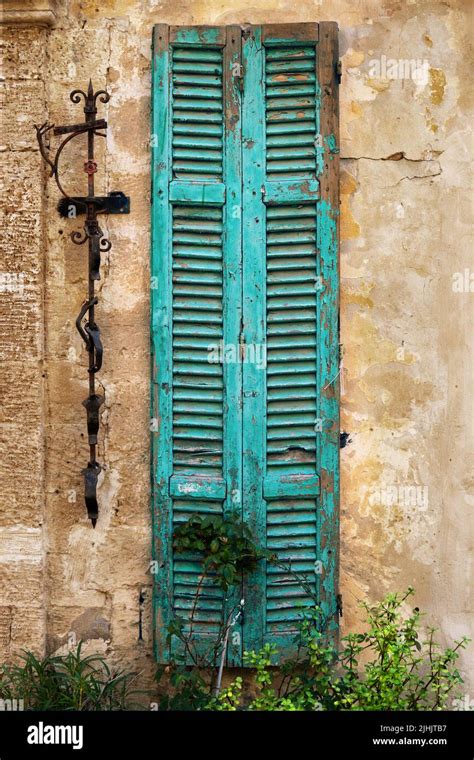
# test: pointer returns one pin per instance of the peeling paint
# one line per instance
(349, 227)
(437, 86)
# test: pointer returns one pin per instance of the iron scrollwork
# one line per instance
(90, 205)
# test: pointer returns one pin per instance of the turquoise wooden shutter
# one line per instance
(245, 252)
(291, 428)
(196, 305)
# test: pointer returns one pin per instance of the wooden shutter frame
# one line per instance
(328, 318)
(328, 308)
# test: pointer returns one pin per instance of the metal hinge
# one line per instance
(339, 605)
(339, 71)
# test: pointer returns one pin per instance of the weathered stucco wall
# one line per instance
(406, 318)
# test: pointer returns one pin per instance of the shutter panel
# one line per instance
(195, 308)
(292, 242)
(244, 251)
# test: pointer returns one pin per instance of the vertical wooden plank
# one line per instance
(232, 267)
(254, 327)
(328, 319)
(161, 339)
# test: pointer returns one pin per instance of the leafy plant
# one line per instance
(66, 682)
(191, 687)
(388, 667)
(225, 543)
(401, 671)
(225, 549)
(228, 699)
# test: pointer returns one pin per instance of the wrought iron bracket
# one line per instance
(113, 203)
(91, 205)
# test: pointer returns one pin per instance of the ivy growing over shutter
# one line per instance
(245, 255)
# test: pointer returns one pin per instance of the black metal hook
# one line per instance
(91, 476)
(95, 346)
(92, 405)
(84, 309)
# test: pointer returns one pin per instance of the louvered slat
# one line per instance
(291, 537)
(197, 326)
(197, 113)
(291, 406)
(197, 392)
(194, 595)
(290, 105)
